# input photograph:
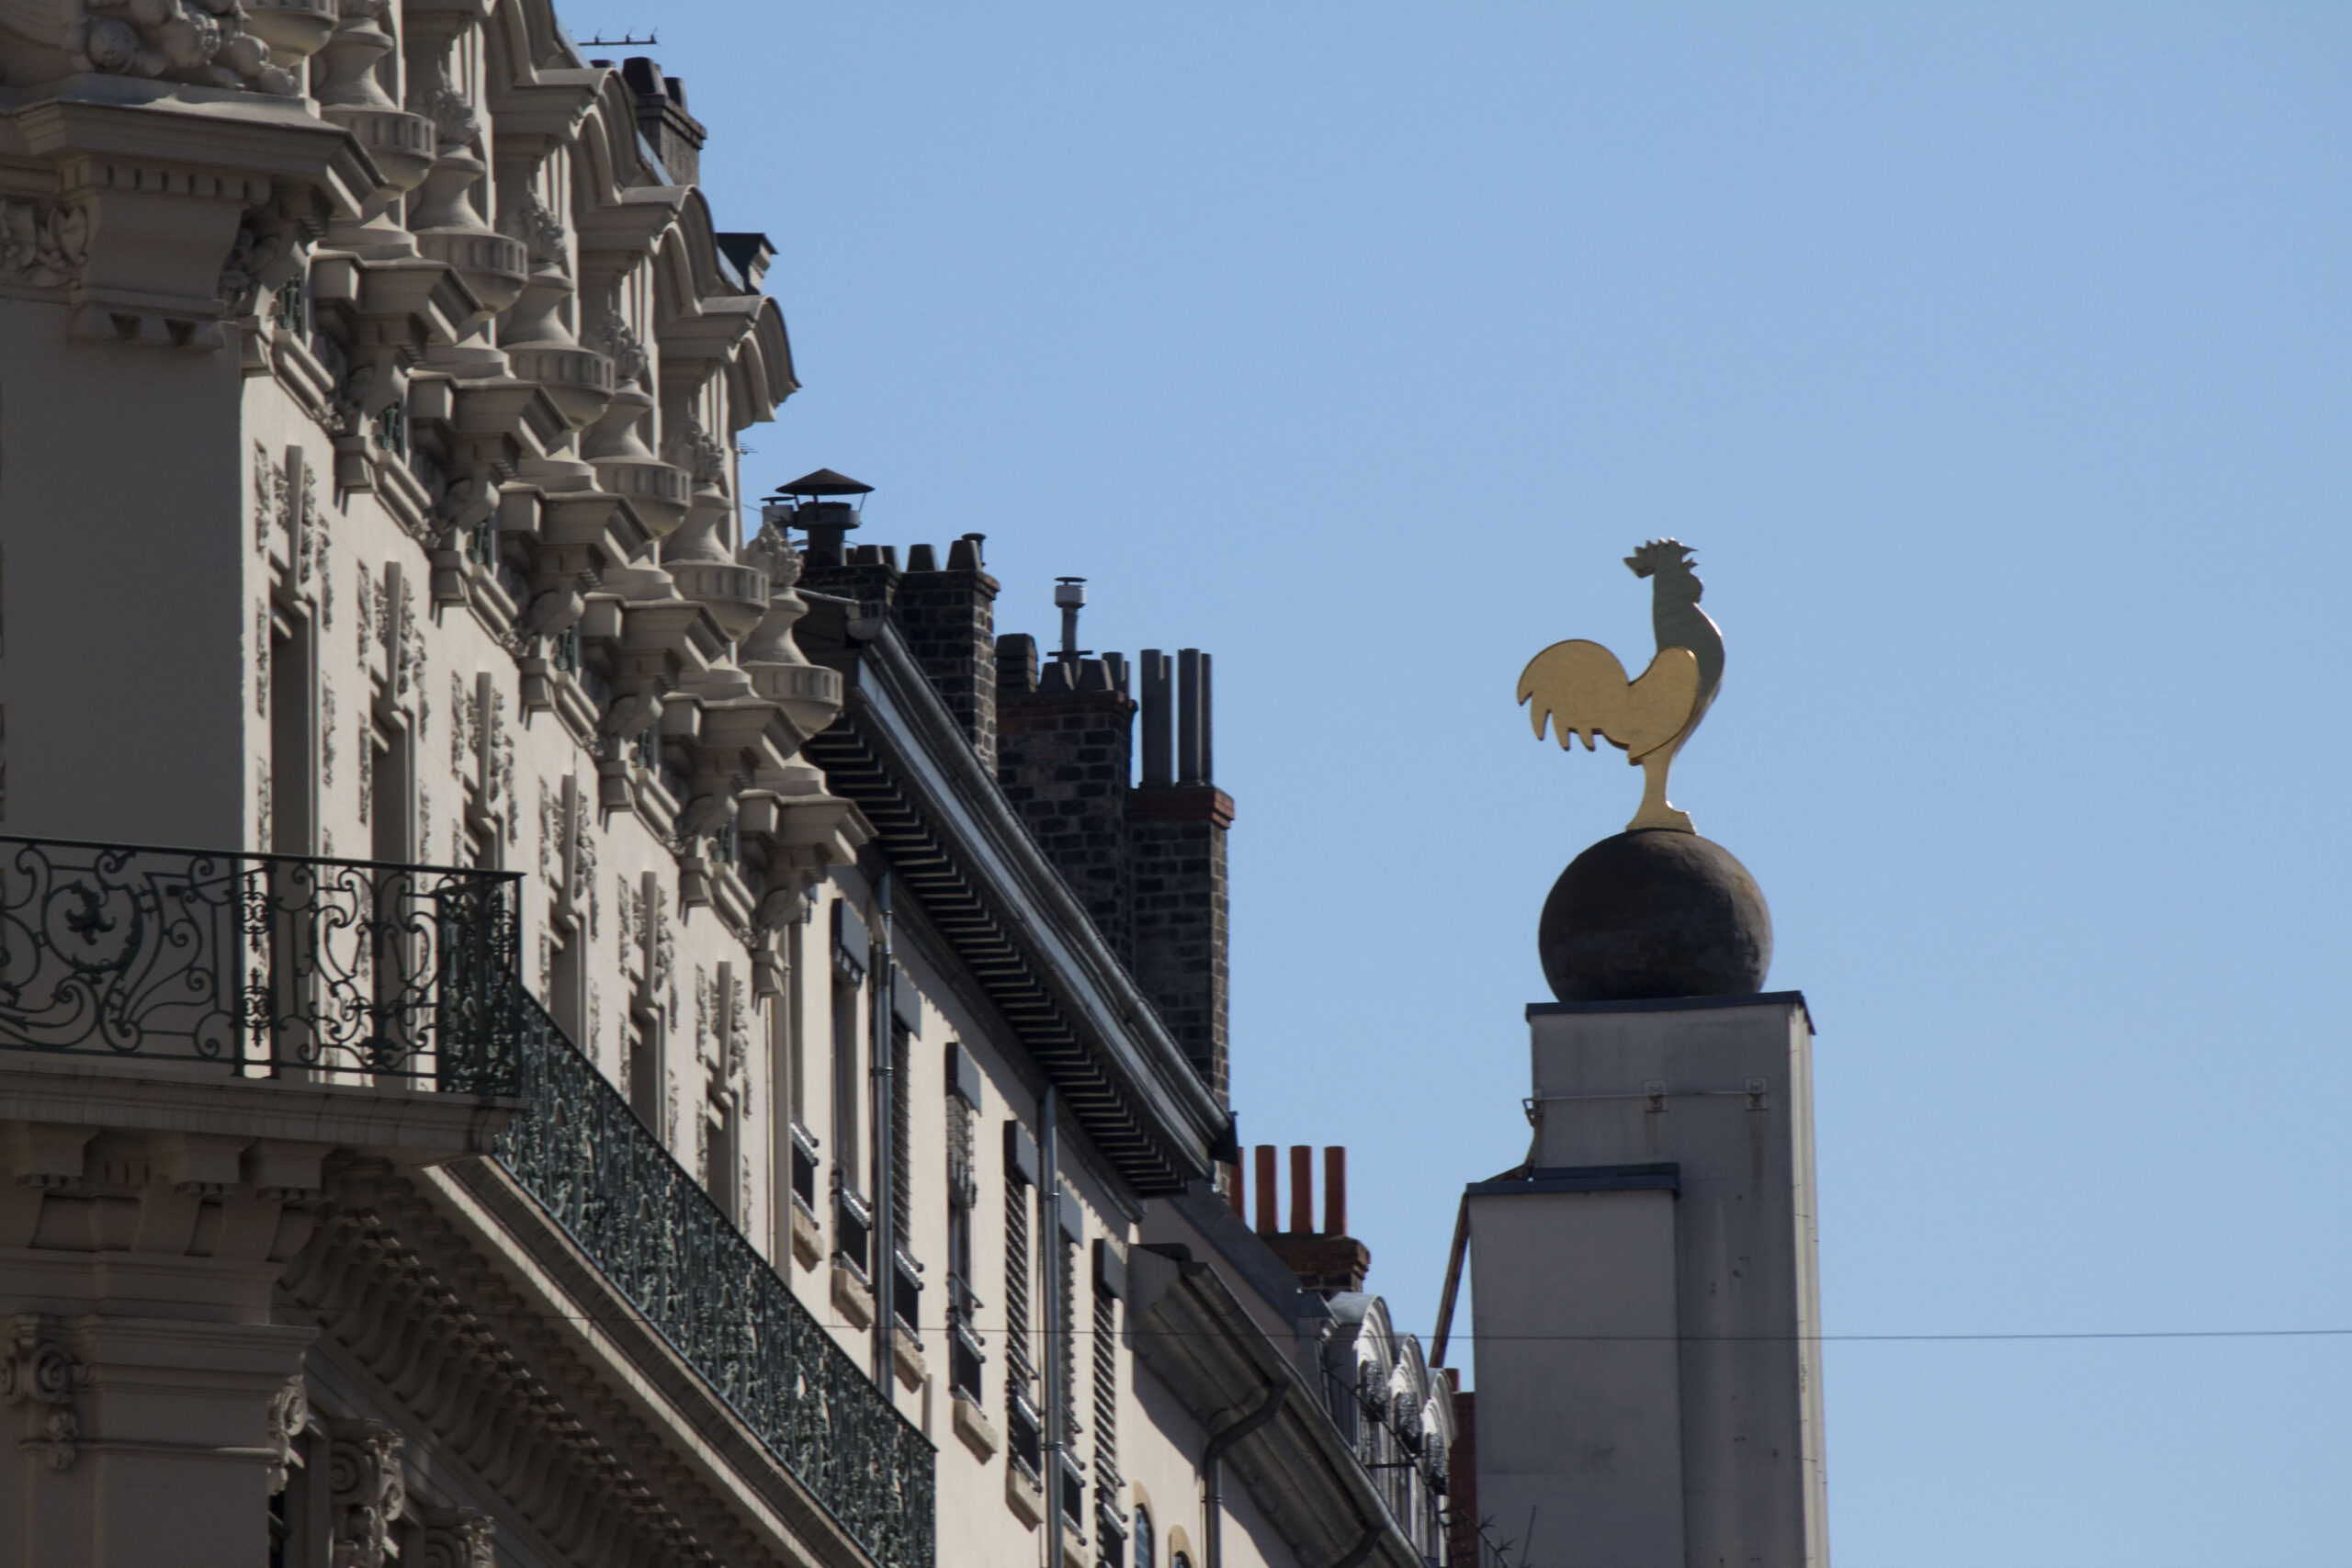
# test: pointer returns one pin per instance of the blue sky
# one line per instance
(1992, 357)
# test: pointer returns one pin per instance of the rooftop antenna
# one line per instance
(625, 41)
(1069, 596)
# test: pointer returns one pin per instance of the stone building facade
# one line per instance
(640, 1048)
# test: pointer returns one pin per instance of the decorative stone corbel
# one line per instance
(401, 143)
(460, 1538)
(289, 1410)
(696, 557)
(447, 228)
(657, 492)
(538, 346)
(41, 1374)
(370, 1492)
(810, 694)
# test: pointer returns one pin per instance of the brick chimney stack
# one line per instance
(1327, 1261)
(945, 615)
(1146, 860)
(1065, 750)
(948, 617)
(1177, 823)
(675, 136)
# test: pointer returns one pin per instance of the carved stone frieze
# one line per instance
(266, 481)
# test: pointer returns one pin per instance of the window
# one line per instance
(391, 797)
(568, 977)
(723, 1100)
(965, 1357)
(1025, 1438)
(642, 1066)
(721, 1176)
(905, 1286)
(847, 1079)
(1062, 1234)
(293, 735)
(1110, 1271)
(388, 803)
(853, 1217)
(788, 1018)
(1144, 1544)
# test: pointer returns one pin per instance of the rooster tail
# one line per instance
(1579, 687)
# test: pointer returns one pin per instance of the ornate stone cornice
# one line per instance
(504, 1382)
(534, 116)
(155, 194)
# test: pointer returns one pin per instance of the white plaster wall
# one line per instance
(1579, 1427)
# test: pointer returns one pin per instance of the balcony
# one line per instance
(180, 964)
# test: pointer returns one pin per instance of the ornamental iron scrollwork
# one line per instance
(259, 964)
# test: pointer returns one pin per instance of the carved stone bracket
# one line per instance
(370, 1490)
(460, 1538)
(289, 1410)
(38, 1373)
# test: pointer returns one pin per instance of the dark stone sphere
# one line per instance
(1654, 913)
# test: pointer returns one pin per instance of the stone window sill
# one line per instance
(974, 1429)
(850, 1294)
(808, 1244)
(1024, 1496)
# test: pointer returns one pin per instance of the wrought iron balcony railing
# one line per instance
(358, 972)
(588, 1159)
(263, 966)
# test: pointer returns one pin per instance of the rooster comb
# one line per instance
(1654, 556)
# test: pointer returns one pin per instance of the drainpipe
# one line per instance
(1212, 1471)
(1050, 1298)
(886, 1204)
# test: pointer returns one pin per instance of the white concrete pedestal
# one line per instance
(1645, 1298)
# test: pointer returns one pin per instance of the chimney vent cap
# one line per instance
(824, 481)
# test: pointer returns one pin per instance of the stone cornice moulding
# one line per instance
(254, 138)
(163, 188)
(1191, 1330)
(621, 232)
(405, 1125)
(535, 115)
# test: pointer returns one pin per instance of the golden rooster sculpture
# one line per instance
(1582, 690)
